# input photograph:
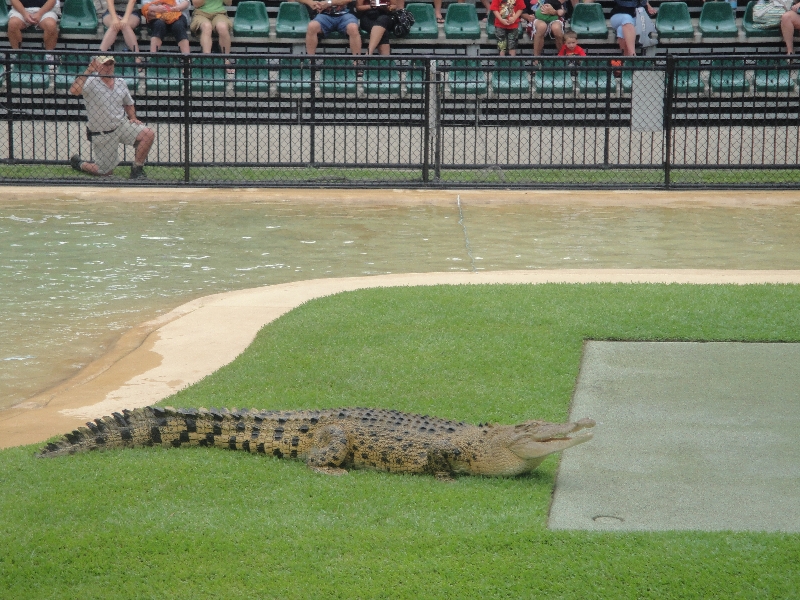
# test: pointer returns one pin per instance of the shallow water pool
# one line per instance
(74, 275)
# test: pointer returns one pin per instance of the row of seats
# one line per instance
(293, 76)
(717, 19)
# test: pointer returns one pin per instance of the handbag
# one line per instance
(168, 17)
(402, 20)
(767, 15)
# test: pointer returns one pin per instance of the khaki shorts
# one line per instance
(199, 17)
(105, 148)
(54, 14)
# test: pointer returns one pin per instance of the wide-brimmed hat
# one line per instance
(104, 58)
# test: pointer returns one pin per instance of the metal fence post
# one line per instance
(437, 158)
(187, 120)
(426, 136)
(9, 109)
(607, 117)
(670, 75)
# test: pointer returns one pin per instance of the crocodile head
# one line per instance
(517, 449)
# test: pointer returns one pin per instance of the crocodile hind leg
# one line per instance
(329, 451)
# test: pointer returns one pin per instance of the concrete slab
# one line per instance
(690, 436)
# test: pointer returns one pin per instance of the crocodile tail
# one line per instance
(149, 426)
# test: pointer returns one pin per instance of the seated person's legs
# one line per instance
(790, 21)
(540, 29)
(49, 26)
(625, 29)
(158, 29)
(180, 31)
(557, 31)
(312, 35)
(16, 26)
(348, 25)
(201, 28)
(223, 25)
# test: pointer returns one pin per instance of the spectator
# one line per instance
(548, 21)
(570, 46)
(790, 21)
(122, 18)
(437, 8)
(332, 15)
(167, 15)
(210, 16)
(376, 20)
(623, 22)
(111, 120)
(506, 24)
(43, 14)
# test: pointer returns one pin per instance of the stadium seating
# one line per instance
(425, 26)
(33, 76)
(688, 80)
(3, 16)
(415, 79)
(78, 16)
(553, 82)
(461, 22)
(589, 22)
(208, 75)
(294, 75)
(511, 82)
(381, 81)
(750, 30)
(594, 82)
(336, 80)
(162, 75)
(673, 20)
(771, 77)
(252, 76)
(466, 81)
(717, 20)
(292, 20)
(251, 20)
(727, 81)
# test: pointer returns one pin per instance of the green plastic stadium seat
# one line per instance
(770, 76)
(383, 81)
(595, 82)
(337, 80)
(294, 75)
(750, 30)
(415, 79)
(717, 20)
(78, 16)
(292, 20)
(728, 81)
(589, 22)
(688, 78)
(29, 76)
(674, 21)
(425, 26)
(164, 74)
(3, 16)
(553, 82)
(461, 22)
(511, 82)
(208, 75)
(68, 68)
(252, 76)
(251, 20)
(466, 81)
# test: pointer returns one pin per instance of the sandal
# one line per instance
(440, 20)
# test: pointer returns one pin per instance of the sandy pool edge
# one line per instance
(199, 337)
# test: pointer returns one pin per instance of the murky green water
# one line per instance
(75, 275)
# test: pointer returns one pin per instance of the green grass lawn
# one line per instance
(209, 523)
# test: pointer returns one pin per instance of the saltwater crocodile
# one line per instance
(331, 441)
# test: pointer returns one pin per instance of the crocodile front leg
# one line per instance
(329, 451)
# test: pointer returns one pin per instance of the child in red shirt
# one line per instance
(506, 24)
(570, 46)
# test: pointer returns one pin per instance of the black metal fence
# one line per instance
(675, 121)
